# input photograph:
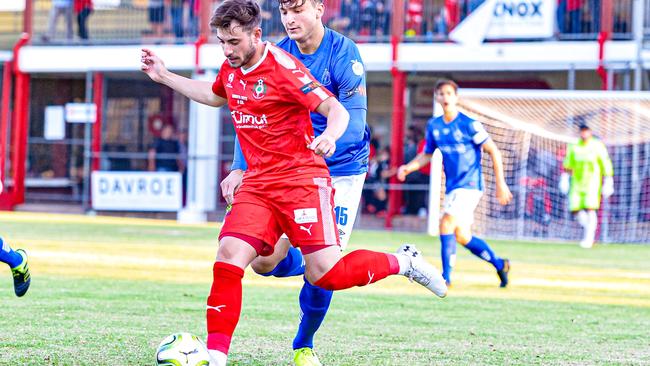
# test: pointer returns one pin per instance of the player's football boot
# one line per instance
(586, 243)
(422, 272)
(503, 273)
(306, 357)
(21, 275)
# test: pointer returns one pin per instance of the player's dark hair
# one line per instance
(444, 82)
(291, 4)
(245, 12)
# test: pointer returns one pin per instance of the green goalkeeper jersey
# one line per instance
(588, 162)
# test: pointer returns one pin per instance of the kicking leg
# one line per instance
(481, 249)
(326, 269)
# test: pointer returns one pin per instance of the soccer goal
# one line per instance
(532, 129)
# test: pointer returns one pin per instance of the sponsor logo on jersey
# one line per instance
(259, 90)
(231, 77)
(361, 90)
(326, 79)
(310, 86)
(445, 131)
(305, 215)
(357, 67)
(243, 120)
(240, 98)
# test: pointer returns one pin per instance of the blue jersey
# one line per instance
(337, 65)
(460, 143)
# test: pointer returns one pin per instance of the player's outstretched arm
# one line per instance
(503, 192)
(337, 122)
(197, 90)
(418, 162)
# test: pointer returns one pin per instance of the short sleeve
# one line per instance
(478, 133)
(350, 75)
(430, 145)
(301, 86)
(217, 87)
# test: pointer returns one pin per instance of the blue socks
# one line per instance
(447, 253)
(480, 248)
(314, 302)
(8, 256)
(291, 265)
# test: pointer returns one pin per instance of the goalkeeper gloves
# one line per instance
(564, 183)
(608, 187)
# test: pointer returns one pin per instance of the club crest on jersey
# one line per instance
(357, 67)
(326, 79)
(305, 215)
(259, 89)
(436, 134)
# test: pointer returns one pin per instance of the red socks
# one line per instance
(359, 268)
(224, 305)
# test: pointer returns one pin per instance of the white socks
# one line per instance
(404, 263)
(589, 222)
(217, 358)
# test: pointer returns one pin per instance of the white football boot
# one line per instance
(422, 272)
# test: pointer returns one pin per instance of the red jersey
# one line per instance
(270, 105)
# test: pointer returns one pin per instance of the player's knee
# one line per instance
(447, 225)
(263, 265)
(463, 236)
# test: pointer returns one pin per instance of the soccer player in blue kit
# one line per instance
(335, 62)
(17, 262)
(461, 139)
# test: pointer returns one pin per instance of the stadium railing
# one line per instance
(130, 21)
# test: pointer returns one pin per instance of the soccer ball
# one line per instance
(182, 349)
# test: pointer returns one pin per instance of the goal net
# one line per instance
(532, 130)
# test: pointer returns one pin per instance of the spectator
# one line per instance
(416, 197)
(157, 18)
(166, 145)
(574, 8)
(349, 22)
(379, 171)
(83, 9)
(59, 8)
(177, 18)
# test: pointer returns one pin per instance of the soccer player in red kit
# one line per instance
(287, 188)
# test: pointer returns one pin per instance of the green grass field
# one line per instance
(106, 291)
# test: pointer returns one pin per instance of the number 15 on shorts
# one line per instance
(341, 215)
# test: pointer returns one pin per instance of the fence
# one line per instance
(142, 21)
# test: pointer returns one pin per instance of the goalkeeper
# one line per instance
(585, 165)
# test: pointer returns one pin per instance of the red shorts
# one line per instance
(302, 208)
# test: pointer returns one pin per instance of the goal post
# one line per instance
(532, 129)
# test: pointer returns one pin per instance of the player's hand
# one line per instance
(565, 183)
(402, 172)
(152, 65)
(230, 184)
(503, 194)
(608, 187)
(323, 145)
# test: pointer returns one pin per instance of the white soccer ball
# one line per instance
(182, 349)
